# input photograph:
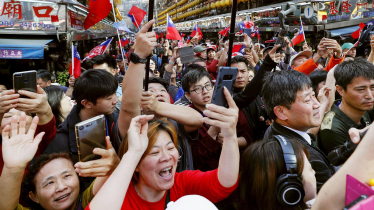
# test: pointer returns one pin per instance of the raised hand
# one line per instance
(8, 100)
(322, 50)
(102, 167)
(145, 41)
(175, 53)
(334, 45)
(19, 149)
(36, 103)
(224, 118)
(276, 57)
(137, 134)
(149, 102)
(247, 41)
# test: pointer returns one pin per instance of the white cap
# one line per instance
(188, 202)
(306, 53)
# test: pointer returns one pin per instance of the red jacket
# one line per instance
(309, 66)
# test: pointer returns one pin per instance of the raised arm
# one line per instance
(253, 88)
(371, 55)
(132, 84)
(36, 103)
(190, 118)
(226, 119)
(359, 165)
(120, 179)
(18, 150)
(69, 91)
(222, 59)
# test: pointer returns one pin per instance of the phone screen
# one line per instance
(180, 44)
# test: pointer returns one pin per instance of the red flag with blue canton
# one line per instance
(197, 29)
(171, 31)
(245, 24)
(239, 48)
(157, 35)
(225, 31)
(162, 35)
(136, 15)
(124, 42)
(75, 67)
(183, 35)
(300, 37)
(188, 39)
(98, 50)
(98, 10)
(356, 34)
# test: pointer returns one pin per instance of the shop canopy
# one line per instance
(22, 48)
(343, 31)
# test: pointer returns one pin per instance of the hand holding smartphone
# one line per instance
(25, 80)
(226, 78)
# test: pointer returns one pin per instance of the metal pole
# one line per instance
(232, 30)
(150, 17)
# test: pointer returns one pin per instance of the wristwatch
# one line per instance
(134, 58)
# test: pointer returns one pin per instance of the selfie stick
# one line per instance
(232, 31)
(150, 17)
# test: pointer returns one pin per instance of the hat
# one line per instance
(347, 46)
(305, 53)
(212, 47)
(119, 57)
(262, 45)
(199, 48)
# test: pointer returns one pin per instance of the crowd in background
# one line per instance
(287, 139)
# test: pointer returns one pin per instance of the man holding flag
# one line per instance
(197, 30)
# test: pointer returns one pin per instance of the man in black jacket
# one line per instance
(290, 100)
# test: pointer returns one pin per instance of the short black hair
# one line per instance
(281, 87)
(101, 59)
(316, 77)
(158, 80)
(44, 75)
(94, 84)
(194, 74)
(239, 59)
(348, 70)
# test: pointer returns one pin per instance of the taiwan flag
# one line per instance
(256, 32)
(183, 35)
(300, 37)
(197, 29)
(171, 31)
(136, 15)
(124, 41)
(98, 50)
(157, 35)
(98, 10)
(188, 39)
(246, 24)
(75, 68)
(356, 34)
(162, 35)
(238, 48)
(225, 31)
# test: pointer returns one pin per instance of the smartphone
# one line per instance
(25, 80)
(226, 78)
(247, 50)
(180, 44)
(90, 134)
(186, 54)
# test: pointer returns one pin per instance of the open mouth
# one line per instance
(166, 173)
(206, 99)
(161, 100)
(63, 198)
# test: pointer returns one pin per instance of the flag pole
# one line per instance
(232, 31)
(119, 38)
(72, 59)
(150, 17)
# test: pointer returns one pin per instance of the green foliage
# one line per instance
(62, 77)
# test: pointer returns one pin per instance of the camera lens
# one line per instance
(81, 127)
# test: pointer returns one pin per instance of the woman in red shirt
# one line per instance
(212, 62)
(151, 151)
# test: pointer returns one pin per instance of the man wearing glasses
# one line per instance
(206, 148)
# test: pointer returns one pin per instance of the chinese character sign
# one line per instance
(333, 10)
(4, 53)
(12, 8)
(345, 6)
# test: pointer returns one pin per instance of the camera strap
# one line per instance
(167, 199)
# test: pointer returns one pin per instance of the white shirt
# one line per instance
(301, 133)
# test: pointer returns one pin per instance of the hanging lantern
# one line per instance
(213, 5)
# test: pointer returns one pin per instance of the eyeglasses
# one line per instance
(199, 89)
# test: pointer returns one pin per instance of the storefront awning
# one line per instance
(22, 48)
(342, 31)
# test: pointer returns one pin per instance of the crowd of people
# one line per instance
(287, 139)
